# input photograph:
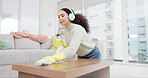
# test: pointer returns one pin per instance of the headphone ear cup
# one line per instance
(71, 17)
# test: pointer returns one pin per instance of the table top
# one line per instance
(68, 68)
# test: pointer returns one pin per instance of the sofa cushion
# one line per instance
(46, 45)
(5, 45)
(37, 54)
(25, 43)
(13, 56)
(8, 37)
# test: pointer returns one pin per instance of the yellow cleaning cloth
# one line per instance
(57, 57)
(57, 43)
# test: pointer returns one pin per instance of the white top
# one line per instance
(78, 41)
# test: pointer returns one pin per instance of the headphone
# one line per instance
(71, 15)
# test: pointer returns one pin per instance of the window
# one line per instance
(138, 24)
(19, 15)
(9, 25)
(105, 26)
(9, 16)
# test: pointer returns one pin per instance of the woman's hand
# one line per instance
(57, 58)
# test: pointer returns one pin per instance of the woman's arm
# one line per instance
(74, 44)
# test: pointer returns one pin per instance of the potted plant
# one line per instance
(141, 57)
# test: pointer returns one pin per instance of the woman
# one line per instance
(76, 37)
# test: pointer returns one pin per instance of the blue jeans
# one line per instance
(94, 54)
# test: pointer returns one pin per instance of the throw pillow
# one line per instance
(57, 43)
(5, 45)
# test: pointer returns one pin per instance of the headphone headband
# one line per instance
(71, 15)
(70, 10)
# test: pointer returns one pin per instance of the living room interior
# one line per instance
(118, 28)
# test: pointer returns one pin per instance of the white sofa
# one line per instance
(25, 50)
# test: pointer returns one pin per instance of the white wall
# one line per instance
(34, 16)
(41, 19)
(0, 12)
(29, 16)
(48, 17)
(0, 6)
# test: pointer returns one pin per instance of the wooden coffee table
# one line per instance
(80, 68)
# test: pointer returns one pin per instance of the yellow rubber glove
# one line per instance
(64, 43)
(57, 43)
(51, 59)
(59, 56)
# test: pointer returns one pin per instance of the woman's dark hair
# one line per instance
(79, 19)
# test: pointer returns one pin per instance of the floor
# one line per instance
(119, 70)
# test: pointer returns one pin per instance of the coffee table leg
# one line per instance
(103, 73)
